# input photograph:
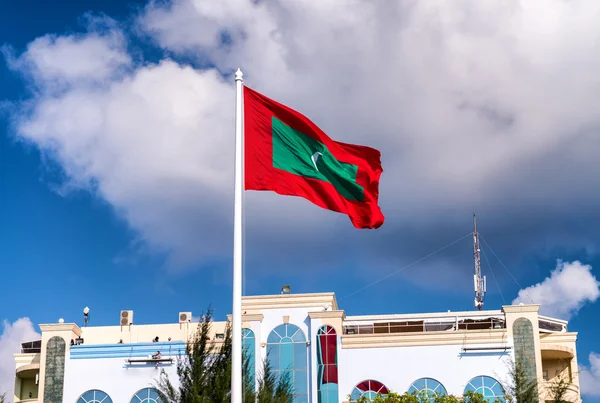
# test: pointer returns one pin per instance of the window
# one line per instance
(486, 386)
(148, 395)
(94, 396)
(368, 389)
(286, 352)
(249, 348)
(327, 370)
(429, 387)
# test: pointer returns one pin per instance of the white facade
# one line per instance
(110, 375)
(399, 367)
(391, 350)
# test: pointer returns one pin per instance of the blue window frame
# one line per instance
(249, 346)
(147, 395)
(287, 355)
(94, 396)
(428, 387)
(488, 387)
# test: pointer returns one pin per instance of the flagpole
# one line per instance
(236, 333)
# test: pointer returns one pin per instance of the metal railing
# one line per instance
(424, 326)
(29, 350)
(31, 347)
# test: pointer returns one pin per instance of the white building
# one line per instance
(334, 357)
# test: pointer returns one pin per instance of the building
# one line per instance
(335, 358)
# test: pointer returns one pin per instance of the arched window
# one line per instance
(147, 395)
(94, 396)
(368, 389)
(429, 387)
(327, 369)
(249, 346)
(286, 352)
(486, 386)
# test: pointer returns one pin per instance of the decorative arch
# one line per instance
(368, 389)
(524, 347)
(327, 365)
(146, 395)
(429, 387)
(54, 379)
(487, 386)
(94, 396)
(287, 355)
(249, 346)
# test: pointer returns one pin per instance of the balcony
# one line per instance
(26, 383)
(556, 352)
(31, 347)
(484, 332)
(425, 324)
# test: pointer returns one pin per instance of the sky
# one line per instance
(116, 158)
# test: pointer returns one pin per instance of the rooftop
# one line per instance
(128, 332)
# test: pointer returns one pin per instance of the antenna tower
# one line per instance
(479, 281)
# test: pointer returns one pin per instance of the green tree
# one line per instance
(391, 397)
(558, 388)
(424, 397)
(271, 388)
(473, 397)
(204, 373)
(521, 386)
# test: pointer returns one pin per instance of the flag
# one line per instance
(286, 153)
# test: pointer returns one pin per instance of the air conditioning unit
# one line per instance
(185, 317)
(126, 318)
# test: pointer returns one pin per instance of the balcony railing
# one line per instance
(426, 325)
(31, 350)
(31, 347)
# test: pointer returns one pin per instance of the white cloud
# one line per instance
(55, 62)
(11, 338)
(151, 144)
(472, 103)
(589, 378)
(569, 287)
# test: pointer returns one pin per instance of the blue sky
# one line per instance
(116, 157)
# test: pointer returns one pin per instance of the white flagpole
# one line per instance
(236, 332)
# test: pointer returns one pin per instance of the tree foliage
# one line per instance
(424, 397)
(204, 373)
(2, 397)
(558, 388)
(521, 387)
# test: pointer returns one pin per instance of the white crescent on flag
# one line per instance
(314, 159)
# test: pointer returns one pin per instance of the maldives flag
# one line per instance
(288, 154)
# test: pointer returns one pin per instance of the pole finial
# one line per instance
(239, 75)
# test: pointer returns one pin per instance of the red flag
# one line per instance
(288, 154)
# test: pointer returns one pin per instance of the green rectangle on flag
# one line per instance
(301, 155)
